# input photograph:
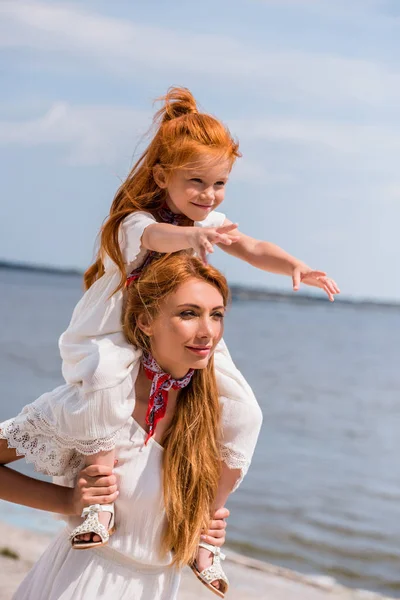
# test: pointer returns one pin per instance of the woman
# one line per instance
(167, 481)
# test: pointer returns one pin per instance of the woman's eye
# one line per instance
(218, 315)
(187, 314)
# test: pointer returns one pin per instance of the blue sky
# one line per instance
(310, 87)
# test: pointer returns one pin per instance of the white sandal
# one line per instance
(214, 572)
(92, 525)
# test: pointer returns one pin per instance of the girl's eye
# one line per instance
(220, 183)
(196, 180)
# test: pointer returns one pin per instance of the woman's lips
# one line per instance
(199, 350)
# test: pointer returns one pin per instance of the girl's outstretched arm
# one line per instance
(93, 485)
(270, 257)
(166, 238)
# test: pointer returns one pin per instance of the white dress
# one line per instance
(130, 567)
(85, 415)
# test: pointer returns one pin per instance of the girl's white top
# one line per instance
(84, 416)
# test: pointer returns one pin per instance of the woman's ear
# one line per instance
(144, 323)
(160, 176)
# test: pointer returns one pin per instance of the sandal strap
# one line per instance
(98, 508)
(213, 573)
(214, 549)
(92, 524)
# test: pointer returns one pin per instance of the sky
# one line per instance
(311, 89)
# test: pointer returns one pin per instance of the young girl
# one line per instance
(167, 203)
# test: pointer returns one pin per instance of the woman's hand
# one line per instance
(203, 239)
(216, 533)
(95, 484)
(304, 274)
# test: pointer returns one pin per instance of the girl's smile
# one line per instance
(196, 190)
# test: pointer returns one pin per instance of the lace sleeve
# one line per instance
(241, 416)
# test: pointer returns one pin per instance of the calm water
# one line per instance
(323, 492)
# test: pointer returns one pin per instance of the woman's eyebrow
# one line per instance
(199, 307)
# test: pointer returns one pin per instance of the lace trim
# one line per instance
(32, 436)
(235, 460)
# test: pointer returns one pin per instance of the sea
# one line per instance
(322, 495)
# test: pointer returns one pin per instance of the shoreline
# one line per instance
(239, 292)
(249, 578)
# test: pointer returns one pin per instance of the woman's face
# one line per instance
(188, 327)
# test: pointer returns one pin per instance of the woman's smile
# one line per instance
(202, 351)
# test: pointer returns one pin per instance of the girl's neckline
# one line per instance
(145, 433)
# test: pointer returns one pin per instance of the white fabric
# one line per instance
(84, 416)
(131, 566)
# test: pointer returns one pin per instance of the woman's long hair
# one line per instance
(191, 461)
(181, 133)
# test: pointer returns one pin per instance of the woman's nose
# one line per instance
(205, 330)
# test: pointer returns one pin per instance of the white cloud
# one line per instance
(88, 134)
(364, 9)
(120, 48)
(345, 138)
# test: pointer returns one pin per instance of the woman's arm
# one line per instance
(95, 484)
(21, 489)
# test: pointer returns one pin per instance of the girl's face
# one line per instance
(188, 327)
(196, 191)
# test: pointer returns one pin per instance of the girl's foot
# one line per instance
(204, 559)
(96, 528)
(212, 576)
(104, 519)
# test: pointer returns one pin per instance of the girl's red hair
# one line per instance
(182, 135)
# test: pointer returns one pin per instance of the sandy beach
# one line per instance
(250, 579)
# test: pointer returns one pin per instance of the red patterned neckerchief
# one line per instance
(161, 383)
(166, 216)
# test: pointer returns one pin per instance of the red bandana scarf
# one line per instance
(161, 383)
(167, 216)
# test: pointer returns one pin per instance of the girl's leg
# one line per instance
(226, 484)
(107, 459)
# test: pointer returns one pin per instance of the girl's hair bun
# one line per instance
(178, 101)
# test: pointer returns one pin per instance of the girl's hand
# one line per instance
(96, 484)
(216, 534)
(304, 274)
(202, 239)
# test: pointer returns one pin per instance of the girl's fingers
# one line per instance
(227, 228)
(315, 274)
(296, 280)
(329, 293)
(329, 284)
(227, 239)
(203, 255)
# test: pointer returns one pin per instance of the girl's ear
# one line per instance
(144, 324)
(160, 176)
